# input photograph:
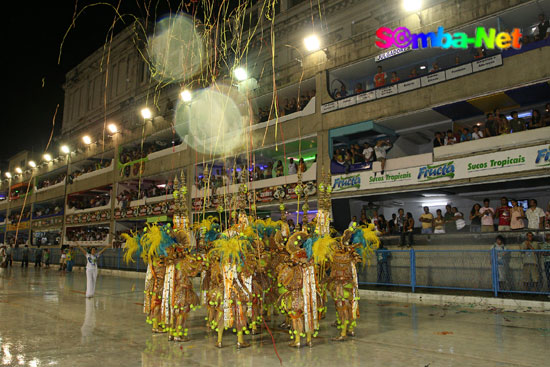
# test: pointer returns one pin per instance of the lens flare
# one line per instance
(175, 49)
(214, 122)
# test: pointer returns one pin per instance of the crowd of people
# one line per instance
(482, 218)
(47, 209)
(496, 124)
(16, 215)
(253, 173)
(89, 168)
(51, 181)
(366, 154)
(133, 154)
(87, 233)
(86, 202)
(147, 190)
(287, 107)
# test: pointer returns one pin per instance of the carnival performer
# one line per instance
(230, 292)
(355, 246)
(91, 269)
(299, 300)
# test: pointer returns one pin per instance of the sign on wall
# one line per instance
(511, 161)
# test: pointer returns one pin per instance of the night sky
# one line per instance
(35, 79)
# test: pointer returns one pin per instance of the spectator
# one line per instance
(450, 225)
(479, 53)
(547, 215)
(530, 262)
(459, 219)
(38, 257)
(382, 224)
(408, 229)
(291, 225)
(368, 153)
(3, 257)
(535, 216)
(439, 222)
(516, 216)
(438, 140)
(413, 73)
(302, 167)
(394, 78)
(475, 218)
(353, 222)
(542, 27)
(477, 134)
(400, 220)
(268, 170)
(450, 139)
(25, 257)
(488, 217)
(343, 91)
(380, 78)
(63, 261)
(292, 167)
(279, 169)
(491, 126)
(535, 121)
(380, 149)
(47, 258)
(359, 88)
(516, 124)
(9, 254)
(383, 257)
(427, 220)
(546, 117)
(465, 136)
(503, 215)
(392, 224)
(434, 68)
(503, 125)
(503, 261)
(546, 257)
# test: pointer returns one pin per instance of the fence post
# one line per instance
(118, 258)
(494, 271)
(412, 256)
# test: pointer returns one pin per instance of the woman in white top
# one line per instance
(459, 219)
(91, 269)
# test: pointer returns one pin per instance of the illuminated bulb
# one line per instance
(146, 113)
(32, 164)
(47, 157)
(112, 128)
(18, 170)
(412, 5)
(8, 175)
(312, 43)
(65, 149)
(240, 74)
(185, 96)
(87, 140)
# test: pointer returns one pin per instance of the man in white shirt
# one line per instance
(292, 168)
(535, 216)
(477, 134)
(368, 152)
(380, 149)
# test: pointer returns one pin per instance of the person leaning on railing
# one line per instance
(530, 273)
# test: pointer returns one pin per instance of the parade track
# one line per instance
(45, 320)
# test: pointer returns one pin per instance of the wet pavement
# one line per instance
(45, 320)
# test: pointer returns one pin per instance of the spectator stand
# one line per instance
(48, 209)
(90, 167)
(133, 157)
(90, 200)
(293, 101)
(19, 190)
(52, 179)
(347, 145)
(97, 235)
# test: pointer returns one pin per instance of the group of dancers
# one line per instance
(250, 271)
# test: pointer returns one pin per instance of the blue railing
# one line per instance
(496, 271)
(507, 271)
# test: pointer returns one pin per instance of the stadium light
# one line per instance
(32, 164)
(412, 5)
(87, 140)
(146, 113)
(312, 43)
(186, 96)
(113, 129)
(65, 149)
(47, 157)
(18, 170)
(240, 74)
(8, 175)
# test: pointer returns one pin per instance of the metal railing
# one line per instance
(506, 271)
(497, 271)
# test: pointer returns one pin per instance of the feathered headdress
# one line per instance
(132, 246)
(366, 240)
(229, 250)
(158, 239)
